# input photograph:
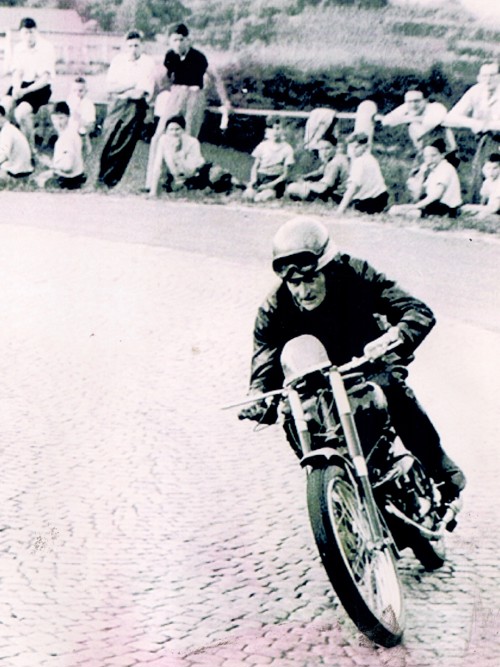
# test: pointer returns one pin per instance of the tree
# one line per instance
(149, 16)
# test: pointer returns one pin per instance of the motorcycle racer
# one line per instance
(352, 309)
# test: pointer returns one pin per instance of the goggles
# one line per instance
(303, 262)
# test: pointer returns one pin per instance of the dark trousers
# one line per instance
(373, 204)
(438, 208)
(122, 130)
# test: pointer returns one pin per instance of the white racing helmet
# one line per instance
(302, 244)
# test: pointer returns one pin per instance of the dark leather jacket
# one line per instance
(359, 302)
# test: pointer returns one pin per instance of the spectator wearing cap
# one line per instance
(65, 170)
(33, 70)
(366, 190)
(490, 191)
(179, 155)
(435, 188)
(130, 81)
(479, 111)
(15, 153)
(328, 182)
(187, 71)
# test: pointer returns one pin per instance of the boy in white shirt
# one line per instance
(366, 189)
(15, 153)
(66, 168)
(490, 190)
(435, 187)
(273, 159)
(82, 111)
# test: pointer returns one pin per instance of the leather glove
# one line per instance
(378, 347)
(261, 412)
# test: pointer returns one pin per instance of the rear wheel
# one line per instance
(362, 571)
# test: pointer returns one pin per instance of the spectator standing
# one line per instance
(435, 187)
(15, 153)
(423, 118)
(366, 189)
(187, 69)
(273, 158)
(131, 82)
(82, 111)
(326, 182)
(33, 70)
(479, 111)
(66, 168)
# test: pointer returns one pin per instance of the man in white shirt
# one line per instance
(131, 83)
(479, 111)
(33, 70)
(423, 119)
(66, 168)
(15, 154)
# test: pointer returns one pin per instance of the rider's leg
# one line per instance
(419, 436)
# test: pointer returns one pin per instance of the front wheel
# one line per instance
(362, 571)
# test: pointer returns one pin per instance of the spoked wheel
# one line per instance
(362, 571)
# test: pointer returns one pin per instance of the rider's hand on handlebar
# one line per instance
(378, 347)
(260, 412)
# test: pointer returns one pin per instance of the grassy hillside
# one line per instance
(274, 31)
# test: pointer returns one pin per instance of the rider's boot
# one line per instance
(450, 478)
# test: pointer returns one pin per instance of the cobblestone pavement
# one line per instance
(142, 525)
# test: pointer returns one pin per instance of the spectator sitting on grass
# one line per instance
(435, 187)
(273, 158)
(180, 154)
(490, 191)
(66, 168)
(366, 189)
(82, 111)
(15, 153)
(326, 182)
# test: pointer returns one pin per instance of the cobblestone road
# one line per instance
(140, 525)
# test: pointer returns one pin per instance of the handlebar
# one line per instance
(353, 364)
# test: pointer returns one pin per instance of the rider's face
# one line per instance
(308, 291)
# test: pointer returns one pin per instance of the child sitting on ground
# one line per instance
(180, 155)
(366, 189)
(435, 187)
(66, 168)
(15, 152)
(490, 191)
(273, 158)
(326, 182)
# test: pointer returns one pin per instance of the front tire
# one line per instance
(363, 573)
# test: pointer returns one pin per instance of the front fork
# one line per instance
(355, 451)
(352, 441)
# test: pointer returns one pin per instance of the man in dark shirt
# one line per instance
(342, 301)
(187, 68)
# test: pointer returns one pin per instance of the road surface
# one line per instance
(142, 525)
